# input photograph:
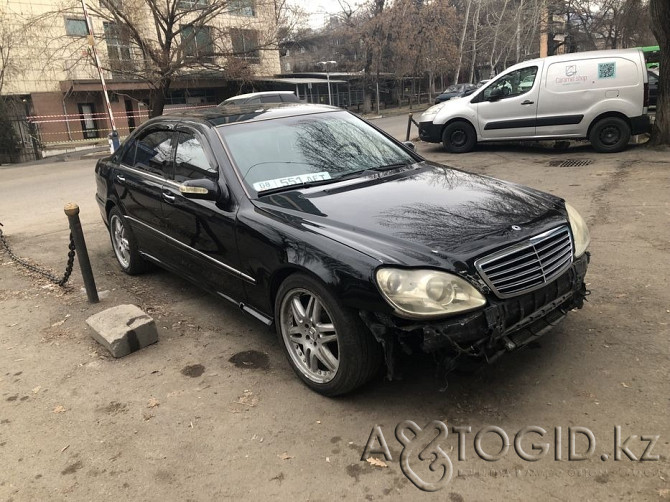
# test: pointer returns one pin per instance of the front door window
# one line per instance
(513, 84)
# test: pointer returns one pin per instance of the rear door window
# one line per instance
(154, 152)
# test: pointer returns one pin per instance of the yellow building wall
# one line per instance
(43, 55)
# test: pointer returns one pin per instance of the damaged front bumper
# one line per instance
(503, 325)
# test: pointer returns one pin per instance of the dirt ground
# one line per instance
(213, 410)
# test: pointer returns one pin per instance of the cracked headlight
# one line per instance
(580, 232)
(427, 293)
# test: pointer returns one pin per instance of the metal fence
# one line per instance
(28, 144)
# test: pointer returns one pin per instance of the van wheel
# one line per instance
(459, 137)
(610, 135)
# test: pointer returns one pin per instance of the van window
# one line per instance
(513, 84)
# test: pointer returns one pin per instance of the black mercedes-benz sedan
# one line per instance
(347, 241)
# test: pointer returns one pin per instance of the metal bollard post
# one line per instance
(409, 126)
(72, 212)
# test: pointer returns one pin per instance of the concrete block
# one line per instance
(123, 329)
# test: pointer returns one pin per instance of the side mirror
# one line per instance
(410, 145)
(495, 95)
(203, 189)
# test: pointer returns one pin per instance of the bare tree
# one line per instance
(461, 43)
(160, 41)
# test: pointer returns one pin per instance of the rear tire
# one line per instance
(610, 135)
(326, 344)
(459, 137)
(124, 245)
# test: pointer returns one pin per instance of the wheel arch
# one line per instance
(605, 115)
(109, 205)
(457, 119)
(280, 275)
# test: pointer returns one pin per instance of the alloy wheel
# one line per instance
(309, 335)
(120, 241)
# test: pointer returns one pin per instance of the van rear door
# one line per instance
(507, 107)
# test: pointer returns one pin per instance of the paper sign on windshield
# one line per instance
(259, 186)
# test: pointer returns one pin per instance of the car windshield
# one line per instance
(452, 88)
(308, 149)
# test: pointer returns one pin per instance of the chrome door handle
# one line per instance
(168, 197)
(120, 178)
(528, 102)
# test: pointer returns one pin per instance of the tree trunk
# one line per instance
(519, 19)
(495, 41)
(659, 11)
(475, 23)
(157, 97)
(461, 43)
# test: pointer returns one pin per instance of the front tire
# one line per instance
(459, 137)
(326, 344)
(610, 135)
(125, 245)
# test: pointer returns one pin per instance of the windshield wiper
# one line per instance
(388, 167)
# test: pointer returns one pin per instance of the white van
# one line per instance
(599, 95)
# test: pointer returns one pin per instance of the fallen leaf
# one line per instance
(625, 385)
(285, 456)
(318, 421)
(376, 462)
(153, 402)
(59, 409)
(64, 448)
(248, 399)
(37, 389)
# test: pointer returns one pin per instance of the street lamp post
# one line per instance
(325, 64)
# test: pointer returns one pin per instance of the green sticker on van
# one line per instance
(606, 70)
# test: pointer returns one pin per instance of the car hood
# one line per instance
(425, 214)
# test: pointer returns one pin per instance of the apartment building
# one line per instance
(51, 77)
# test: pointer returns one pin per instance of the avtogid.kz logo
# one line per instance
(424, 461)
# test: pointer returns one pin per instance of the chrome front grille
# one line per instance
(528, 265)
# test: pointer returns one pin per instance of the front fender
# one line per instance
(272, 249)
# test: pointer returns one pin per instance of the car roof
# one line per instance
(231, 114)
(571, 56)
(262, 93)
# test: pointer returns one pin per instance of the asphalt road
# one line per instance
(213, 411)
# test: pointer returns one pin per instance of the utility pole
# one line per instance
(114, 136)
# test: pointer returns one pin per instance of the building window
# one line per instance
(192, 4)
(197, 41)
(242, 8)
(245, 44)
(118, 48)
(76, 27)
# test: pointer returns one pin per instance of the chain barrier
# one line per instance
(39, 270)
